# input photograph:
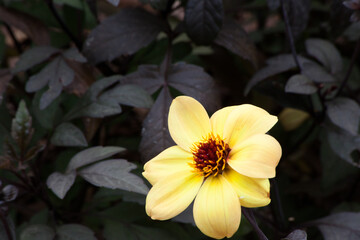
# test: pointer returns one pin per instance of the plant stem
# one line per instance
(6, 225)
(278, 206)
(52, 8)
(290, 35)
(348, 73)
(249, 214)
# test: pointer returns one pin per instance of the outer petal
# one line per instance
(253, 192)
(218, 119)
(172, 194)
(247, 120)
(217, 210)
(188, 122)
(256, 157)
(171, 160)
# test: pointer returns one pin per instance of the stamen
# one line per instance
(210, 155)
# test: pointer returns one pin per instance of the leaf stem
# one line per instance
(6, 225)
(290, 34)
(249, 214)
(348, 73)
(52, 8)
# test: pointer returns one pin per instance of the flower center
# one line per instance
(210, 155)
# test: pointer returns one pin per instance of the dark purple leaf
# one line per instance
(340, 226)
(68, 135)
(147, 76)
(155, 133)
(273, 4)
(343, 144)
(195, 82)
(326, 53)
(345, 113)
(114, 2)
(233, 37)
(296, 235)
(34, 56)
(300, 84)
(275, 65)
(317, 73)
(5, 77)
(156, 4)
(57, 75)
(60, 183)
(203, 20)
(122, 34)
(74, 54)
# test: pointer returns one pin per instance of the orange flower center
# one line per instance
(210, 155)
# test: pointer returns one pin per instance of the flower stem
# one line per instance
(249, 214)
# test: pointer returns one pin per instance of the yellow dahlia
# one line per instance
(222, 162)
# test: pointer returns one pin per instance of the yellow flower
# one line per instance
(223, 163)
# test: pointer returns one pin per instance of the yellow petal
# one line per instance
(172, 194)
(218, 120)
(253, 192)
(217, 209)
(256, 157)
(247, 120)
(169, 161)
(188, 122)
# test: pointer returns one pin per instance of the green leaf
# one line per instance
(22, 122)
(131, 95)
(37, 232)
(34, 56)
(68, 135)
(114, 174)
(117, 230)
(122, 34)
(300, 84)
(339, 226)
(234, 38)
(326, 53)
(61, 183)
(75, 232)
(345, 113)
(353, 32)
(73, 3)
(296, 235)
(332, 163)
(49, 116)
(92, 155)
(203, 20)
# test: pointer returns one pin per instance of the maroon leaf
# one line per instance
(31, 26)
